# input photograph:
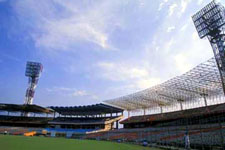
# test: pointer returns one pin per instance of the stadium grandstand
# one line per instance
(190, 105)
(13, 115)
(60, 121)
(85, 119)
(24, 119)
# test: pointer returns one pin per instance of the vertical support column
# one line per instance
(181, 106)
(181, 103)
(32, 83)
(111, 126)
(117, 124)
(161, 109)
(218, 45)
(128, 113)
(144, 111)
(205, 100)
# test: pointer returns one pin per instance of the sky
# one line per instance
(95, 50)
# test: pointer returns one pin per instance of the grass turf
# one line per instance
(42, 143)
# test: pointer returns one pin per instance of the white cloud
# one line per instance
(148, 82)
(141, 3)
(63, 28)
(162, 4)
(120, 72)
(179, 51)
(168, 45)
(200, 2)
(195, 36)
(184, 4)
(71, 92)
(80, 93)
(137, 78)
(184, 27)
(60, 89)
(63, 34)
(182, 62)
(95, 97)
(170, 29)
(172, 9)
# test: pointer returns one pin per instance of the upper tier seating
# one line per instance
(20, 119)
(180, 117)
(81, 120)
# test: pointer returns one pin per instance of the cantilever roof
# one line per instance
(24, 108)
(203, 80)
(87, 110)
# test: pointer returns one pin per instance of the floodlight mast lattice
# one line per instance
(33, 72)
(210, 23)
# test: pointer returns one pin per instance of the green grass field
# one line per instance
(42, 143)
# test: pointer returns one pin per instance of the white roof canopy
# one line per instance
(203, 80)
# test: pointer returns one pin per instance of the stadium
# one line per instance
(184, 112)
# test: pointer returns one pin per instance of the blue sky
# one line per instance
(95, 50)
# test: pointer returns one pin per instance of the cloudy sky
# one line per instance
(94, 50)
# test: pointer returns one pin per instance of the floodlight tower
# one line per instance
(210, 23)
(33, 72)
